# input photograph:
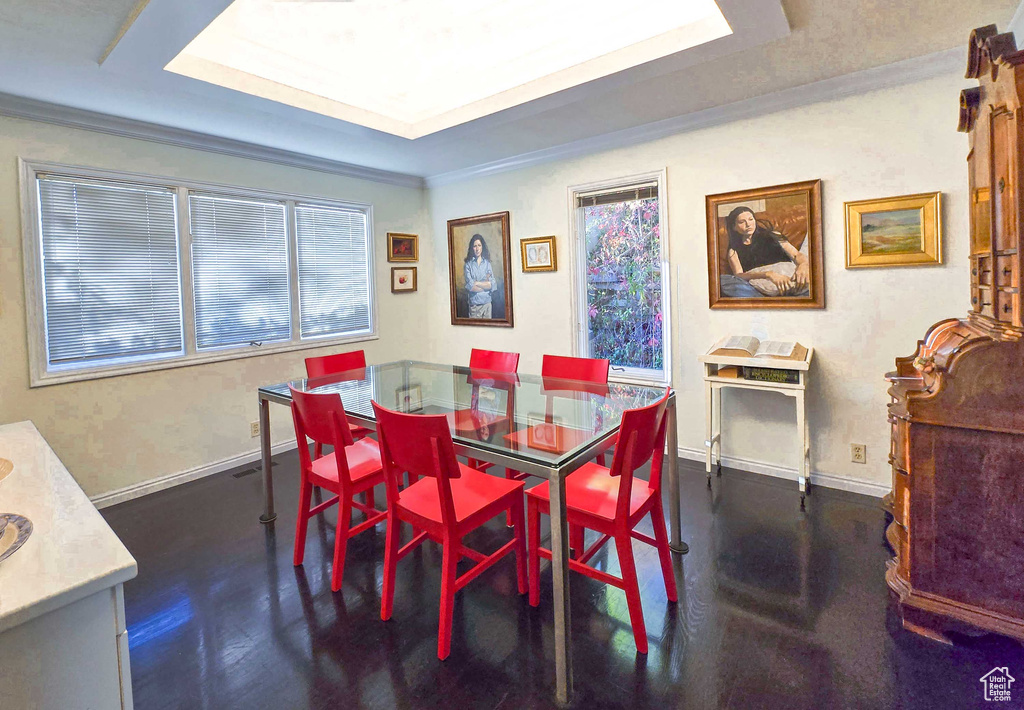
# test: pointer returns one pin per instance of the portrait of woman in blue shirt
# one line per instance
(479, 278)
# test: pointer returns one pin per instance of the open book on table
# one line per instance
(749, 346)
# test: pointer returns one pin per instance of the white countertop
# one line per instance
(72, 552)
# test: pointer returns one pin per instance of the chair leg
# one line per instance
(576, 541)
(520, 549)
(449, 559)
(302, 523)
(341, 542)
(509, 522)
(318, 450)
(369, 498)
(533, 543)
(387, 595)
(624, 550)
(661, 537)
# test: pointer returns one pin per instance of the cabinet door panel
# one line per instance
(1004, 130)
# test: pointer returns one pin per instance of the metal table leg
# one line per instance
(560, 573)
(675, 516)
(268, 480)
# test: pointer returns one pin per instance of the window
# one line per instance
(239, 271)
(622, 276)
(334, 271)
(128, 273)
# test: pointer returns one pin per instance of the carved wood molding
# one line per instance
(987, 49)
(970, 100)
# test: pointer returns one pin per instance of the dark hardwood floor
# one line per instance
(777, 608)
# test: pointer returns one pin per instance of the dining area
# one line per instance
(430, 452)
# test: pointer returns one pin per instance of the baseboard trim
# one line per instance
(138, 490)
(122, 495)
(817, 478)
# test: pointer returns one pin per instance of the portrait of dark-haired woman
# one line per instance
(762, 261)
(479, 278)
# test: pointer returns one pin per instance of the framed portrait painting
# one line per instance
(538, 254)
(894, 231)
(764, 247)
(403, 247)
(479, 270)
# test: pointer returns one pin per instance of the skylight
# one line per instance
(413, 67)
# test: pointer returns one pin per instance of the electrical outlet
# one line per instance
(254, 429)
(858, 453)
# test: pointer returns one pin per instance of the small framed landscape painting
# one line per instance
(403, 279)
(894, 231)
(403, 247)
(538, 254)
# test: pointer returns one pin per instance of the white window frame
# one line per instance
(578, 260)
(39, 371)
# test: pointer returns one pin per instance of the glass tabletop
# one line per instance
(538, 419)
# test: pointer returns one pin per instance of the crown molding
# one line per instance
(34, 110)
(883, 77)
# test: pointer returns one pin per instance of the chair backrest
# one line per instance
(420, 444)
(641, 439)
(584, 369)
(494, 360)
(321, 417)
(338, 362)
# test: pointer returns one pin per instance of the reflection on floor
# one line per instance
(777, 609)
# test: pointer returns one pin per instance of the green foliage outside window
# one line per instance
(624, 283)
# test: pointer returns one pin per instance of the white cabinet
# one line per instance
(63, 642)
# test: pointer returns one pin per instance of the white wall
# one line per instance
(117, 432)
(890, 142)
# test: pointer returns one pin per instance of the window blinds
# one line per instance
(239, 271)
(620, 194)
(110, 270)
(334, 270)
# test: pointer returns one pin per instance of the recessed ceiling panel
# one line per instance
(413, 67)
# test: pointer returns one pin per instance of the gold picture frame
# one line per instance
(403, 247)
(538, 254)
(900, 231)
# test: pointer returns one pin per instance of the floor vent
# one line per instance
(249, 471)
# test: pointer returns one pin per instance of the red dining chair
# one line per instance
(496, 361)
(613, 502)
(333, 364)
(579, 369)
(353, 467)
(446, 501)
(493, 360)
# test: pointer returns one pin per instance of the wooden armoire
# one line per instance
(957, 409)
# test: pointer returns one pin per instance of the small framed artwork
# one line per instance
(894, 231)
(539, 254)
(403, 279)
(403, 247)
(764, 247)
(409, 399)
(480, 270)
(543, 434)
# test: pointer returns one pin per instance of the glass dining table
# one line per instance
(541, 426)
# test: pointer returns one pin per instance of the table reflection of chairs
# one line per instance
(613, 502)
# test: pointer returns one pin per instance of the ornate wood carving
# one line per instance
(957, 409)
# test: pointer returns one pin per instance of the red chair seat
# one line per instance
(363, 462)
(472, 492)
(594, 491)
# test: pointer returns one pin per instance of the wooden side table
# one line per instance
(714, 383)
